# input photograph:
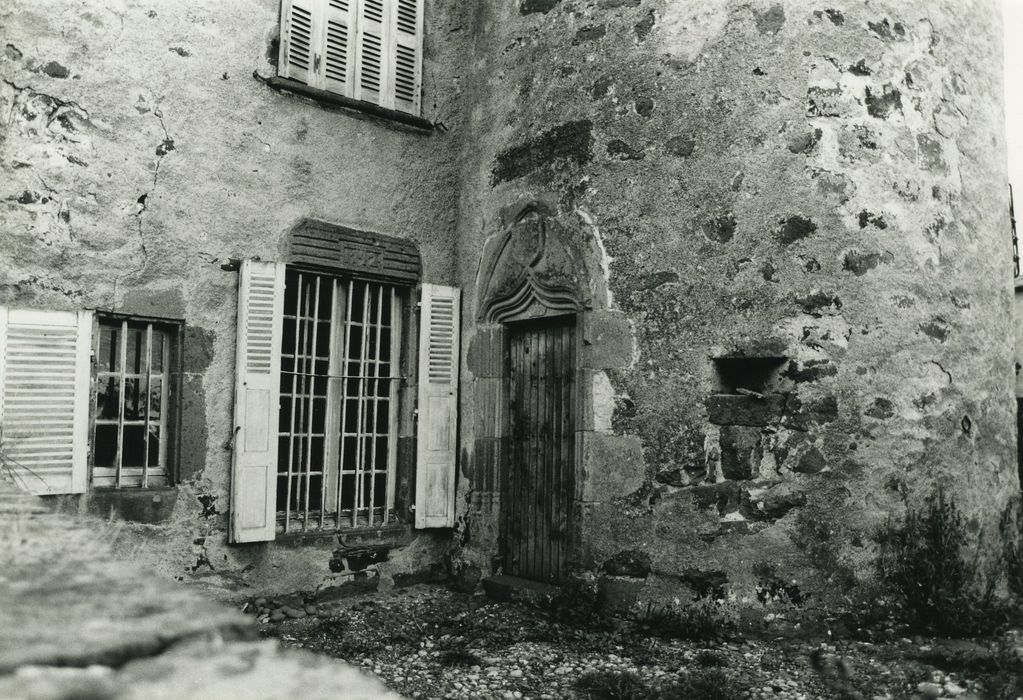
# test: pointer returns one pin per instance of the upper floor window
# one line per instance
(368, 50)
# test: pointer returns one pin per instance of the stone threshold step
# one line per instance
(508, 588)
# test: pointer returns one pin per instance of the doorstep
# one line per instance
(508, 588)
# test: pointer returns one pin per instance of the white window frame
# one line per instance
(148, 475)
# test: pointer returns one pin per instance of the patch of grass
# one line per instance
(1011, 530)
(699, 620)
(614, 685)
(708, 684)
(576, 603)
(923, 562)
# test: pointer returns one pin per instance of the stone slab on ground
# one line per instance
(204, 670)
(77, 622)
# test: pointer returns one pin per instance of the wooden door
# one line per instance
(540, 477)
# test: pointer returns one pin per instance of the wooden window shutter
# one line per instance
(438, 406)
(339, 46)
(257, 394)
(405, 55)
(44, 397)
(371, 52)
(301, 27)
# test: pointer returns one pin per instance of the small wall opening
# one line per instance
(739, 375)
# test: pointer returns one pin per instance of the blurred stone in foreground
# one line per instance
(75, 622)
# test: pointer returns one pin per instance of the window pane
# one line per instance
(107, 398)
(348, 491)
(136, 350)
(154, 445)
(157, 351)
(382, 417)
(155, 399)
(133, 446)
(358, 298)
(135, 398)
(108, 357)
(380, 458)
(105, 447)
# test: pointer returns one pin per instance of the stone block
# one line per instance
(597, 401)
(725, 495)
(488, 459)
(612, 466)
(741, 451)
(489, 407)
(194, 425)
(485, 356)
(776, 501)
(618, 594)
(150, 506)
(739, 409)
(607, 340)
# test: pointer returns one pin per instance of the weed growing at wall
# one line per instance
(924, 563)
(1011, 530)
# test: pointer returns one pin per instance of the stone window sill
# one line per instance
(396, 535)
(331, 99)
(141, 505)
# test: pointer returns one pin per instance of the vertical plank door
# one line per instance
(539, 488)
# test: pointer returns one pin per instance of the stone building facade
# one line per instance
(734, 277)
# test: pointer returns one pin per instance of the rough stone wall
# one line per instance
(139, 152)
(806, 200)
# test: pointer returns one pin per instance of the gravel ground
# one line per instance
(429, 642)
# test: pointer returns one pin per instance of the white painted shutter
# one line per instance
(405, 54)
(44, 398)
(437, 435)
(256, 401)
(371, 79)
(339, 46)
(301, 27)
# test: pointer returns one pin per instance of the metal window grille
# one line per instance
(129, 440)
(338, 435)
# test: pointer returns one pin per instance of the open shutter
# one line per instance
(44, 398)
(339, 46)
(438, 406)
(256, 399)
(301, 26)
(405, 54)
(372, 72)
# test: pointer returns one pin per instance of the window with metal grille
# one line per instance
(131, 418)
(337, 440)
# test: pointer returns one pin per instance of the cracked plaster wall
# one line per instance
(138, 153)
(822, 182)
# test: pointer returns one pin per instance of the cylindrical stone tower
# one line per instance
(789, 268)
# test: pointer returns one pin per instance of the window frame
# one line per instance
(313, 82)
(171, 410)
(290, 522)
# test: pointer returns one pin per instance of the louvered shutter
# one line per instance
(405, 54)
(44, 398)
(256, 403)
(438, 406)
(300, 29)
(371, 65)
(339, 46)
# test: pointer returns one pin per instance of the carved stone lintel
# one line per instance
(536, 267)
